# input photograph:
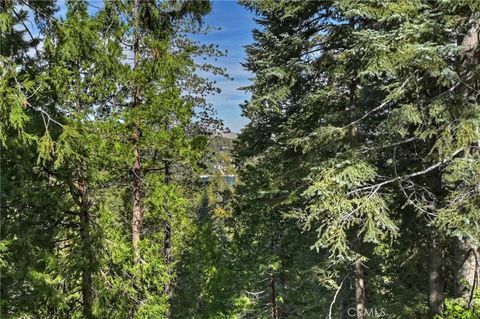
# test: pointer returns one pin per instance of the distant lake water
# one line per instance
(229, 179)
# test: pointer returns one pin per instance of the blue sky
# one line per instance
(236, 24)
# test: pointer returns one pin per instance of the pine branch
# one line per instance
(37, 108)
(378, 108)
(28, 31)
(404, 177)
(405, 141)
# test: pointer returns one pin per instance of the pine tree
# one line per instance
(80, 99)
(273, 169)
(370, 119)
(358, 175)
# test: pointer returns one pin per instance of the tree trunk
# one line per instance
(283, 310)
(467, 254)
(359, 289)
(273, 293)
(273, 296)
(346, 302)
(3, 296)
(168, 260)
(167, 247)
(470, 41)
(137, 214)
(86, 271)
(79, 191)
(435, 279)
(357, 266)
(466, 269)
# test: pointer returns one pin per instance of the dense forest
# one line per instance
(353, 192)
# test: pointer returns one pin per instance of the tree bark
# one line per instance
(3, 296)
(273, 296)
(435, 278)
(466, 269)
(359, 289)
(79, 191)
(167, 247)
(137, 214)
(86, 272)
(168, 260)
(467, 254)
(283, 309)
(470, 41)
(359, 275)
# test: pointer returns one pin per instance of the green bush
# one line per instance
(455, 309)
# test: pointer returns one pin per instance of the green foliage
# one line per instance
(455, 309)
(66, 125)
(362, 153)
(364, 128)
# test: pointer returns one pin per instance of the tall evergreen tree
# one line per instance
(357, 192)
(366, 120)
(71, 107)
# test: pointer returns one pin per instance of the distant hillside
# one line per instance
(230, 136)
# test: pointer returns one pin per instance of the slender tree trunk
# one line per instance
(470, 41)
(283, 311)
(273, 296)
(79, 191)
(359, 289)
(436, 295)
(167, 247)
(466, 269)
(360, 299)
(435, 278)
(137, 214)
(467, 254)
(359, 275)
(168, 260)
(3, 296)
(86, 241)
(273, 293)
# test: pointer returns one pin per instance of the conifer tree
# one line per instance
(371, 121)
(77, 119)
(358, 174)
